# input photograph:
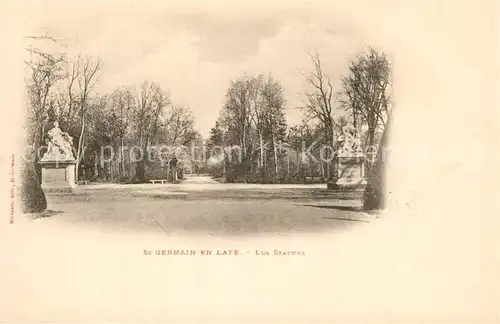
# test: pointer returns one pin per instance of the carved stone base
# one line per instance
(351, 172)
(58, 176)
(351, 185)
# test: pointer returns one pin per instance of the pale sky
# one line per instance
(196, 49)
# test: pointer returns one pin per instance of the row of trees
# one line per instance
(253, 122)
(258, 144)
(62, 88)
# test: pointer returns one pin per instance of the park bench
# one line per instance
(162, 181)
(82, 182)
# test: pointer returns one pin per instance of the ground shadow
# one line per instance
(348, 219)
(354, 214)
(342, 208)
(45, 214)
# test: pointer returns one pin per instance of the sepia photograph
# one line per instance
(246, 162)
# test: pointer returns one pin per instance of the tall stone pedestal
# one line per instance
(58, 176)
(351, 172)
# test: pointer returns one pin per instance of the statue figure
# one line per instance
(350, 141)
(59, 144)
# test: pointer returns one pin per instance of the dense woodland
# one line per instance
(251, 140)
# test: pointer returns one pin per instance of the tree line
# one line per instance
(103, 126)
(251, 140)
(253, 122)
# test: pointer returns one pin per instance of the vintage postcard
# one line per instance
(249, 162)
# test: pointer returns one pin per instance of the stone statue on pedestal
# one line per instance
(58, 163)
(351, 160)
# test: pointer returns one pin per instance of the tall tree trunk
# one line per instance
(96, 166)
(261, 143)
(140, 171)
(36, 147)
(244, 140)
(371, 136)
(276, 171)
(111, 170)
(122, 159)
(42, 134)
(288, 164)
(168, 168)
(354, 121)
(80, 143)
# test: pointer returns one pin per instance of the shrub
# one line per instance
(33, 198)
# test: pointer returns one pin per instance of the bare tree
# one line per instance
(274, 117)
(160, 100)
(237, 115)
(150, 104)
(87, 77)
(179, 130)
(252, 119)
(319, 104)
(67, 100)
(366, 92)
(257, 111)
(179, 125)
(123, 104)
(46, 70)
(319, 100)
